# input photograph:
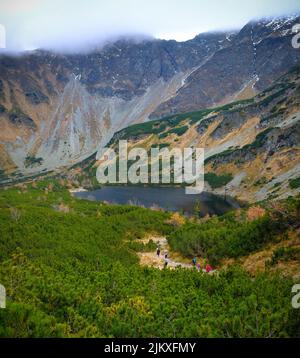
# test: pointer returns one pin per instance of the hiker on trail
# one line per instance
(158, 251)
(194, 261)
(166, 261)
(198, 267)
(208, 268)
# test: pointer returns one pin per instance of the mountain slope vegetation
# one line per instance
(251, 146)
(71, 270)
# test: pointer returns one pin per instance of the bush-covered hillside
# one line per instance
(234, 235)
(70, 270)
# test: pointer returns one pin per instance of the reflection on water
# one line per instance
(173, 199)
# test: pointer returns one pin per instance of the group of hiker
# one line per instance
(206, 267)
(166, 260)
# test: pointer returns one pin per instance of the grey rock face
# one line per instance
(262, 51)
(128, 82)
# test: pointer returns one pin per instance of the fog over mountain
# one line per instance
(90, 72)
(149, 174)
(57, 109)
(77, 25)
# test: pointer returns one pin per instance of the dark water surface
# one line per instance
(172, 199)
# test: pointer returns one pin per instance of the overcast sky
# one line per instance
(71, 24)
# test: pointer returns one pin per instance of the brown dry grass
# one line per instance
(255, 212)
(255, 262)
(151, 259)
(176, 220)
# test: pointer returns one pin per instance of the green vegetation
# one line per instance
(70, 270)
(284, 254)
(233, 236)
(195, 117)
(142, 129)
(86, 178)
(223, 237)
(179, 131)
(148, 128)
(16, 116)
(3, 176)
(232, 105)
(176, 123)
(263, 180)
(277, 89)
(294, 183)
(257, 143)
(223, 154)
(217, 181)
(2, 108)
(269, 99)
(259, 140)
(31, 161)
(141, 247)
(159, 146)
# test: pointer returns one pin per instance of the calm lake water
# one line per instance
(172, 199)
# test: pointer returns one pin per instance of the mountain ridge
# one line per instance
(251, 146)
(56, 110)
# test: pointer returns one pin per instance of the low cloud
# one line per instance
(79, 25)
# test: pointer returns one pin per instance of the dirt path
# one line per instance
(151, 259)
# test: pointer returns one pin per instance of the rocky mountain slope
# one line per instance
(61, 108)
(256, 56)
(252, 147)
(56, 110)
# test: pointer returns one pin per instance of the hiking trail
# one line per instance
(151, 259)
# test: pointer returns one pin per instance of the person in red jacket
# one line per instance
(208, 268)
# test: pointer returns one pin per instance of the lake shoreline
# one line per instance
(168, 198)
